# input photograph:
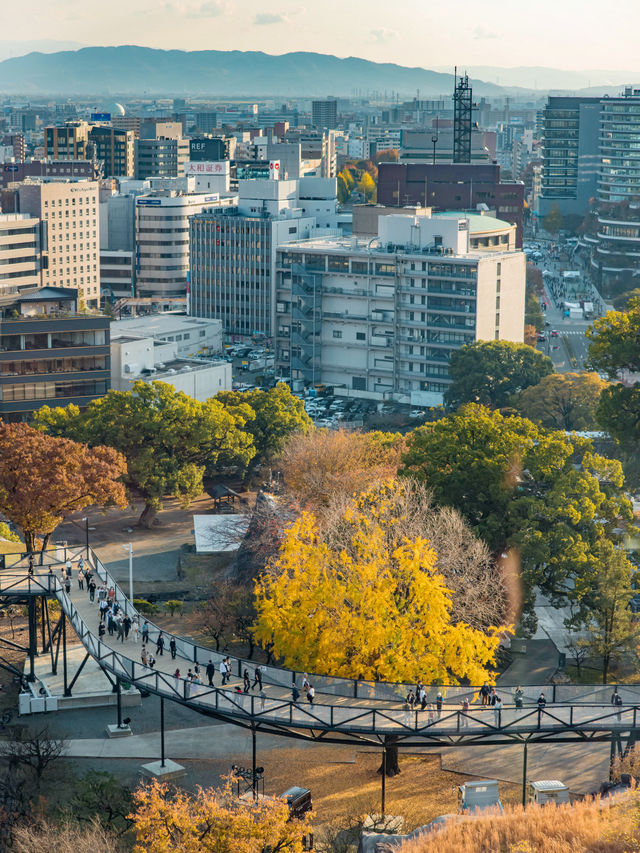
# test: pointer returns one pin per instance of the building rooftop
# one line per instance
(478, 223)
(372, 245)
(156, 325)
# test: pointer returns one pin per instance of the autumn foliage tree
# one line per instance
(44, 478)
(567, 401)
(167, 820)
(369, 609)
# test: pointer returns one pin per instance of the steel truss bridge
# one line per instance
(345, 711)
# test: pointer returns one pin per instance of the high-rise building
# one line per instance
(115, 149)
(50, 354)
(324, 114)
(67, 142)
(126, 122)
(380, 319)
(59, 170)
(207, 122)
(19, 254)
(233, 251)
(571, 154)
(69, 212)
(162, 240)
(160, 157)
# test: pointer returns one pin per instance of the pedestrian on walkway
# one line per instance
(257, 677)
(431, 712)
(67, 567)
(484, 694)
(616, 701)
(145, 632)
(518, 698)
(143, 655)
(135, 627)
(80, 579)
(101, 630)
(177, 677)
(173, 648)
(542, 702)
(311, 692)
(223, 671)
(30, 564)
(439, 703)
(295, 693)
(102, 593)
(67, 586)
(92, 590)
(211, 671)
(81, 564)
(126, 624)
(110, 624)
(305, 683)
(111, 595)
(497, 711)
(160, 644)
(464, 722)
(492, 696)
(151, 661)
(247, 681)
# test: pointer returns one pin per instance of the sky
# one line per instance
(570, 34)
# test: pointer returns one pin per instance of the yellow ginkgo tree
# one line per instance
(374, 608)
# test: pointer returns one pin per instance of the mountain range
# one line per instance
(129, 70)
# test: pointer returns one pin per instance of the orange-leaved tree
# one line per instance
(43, 478)
(169, 820)
(369, 608)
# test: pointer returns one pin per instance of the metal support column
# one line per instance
(161, 731)
(44, 638)
(33, 637)
(524, 775)
(254, 784)
(67, 689)
(119, 701)
(383, 803)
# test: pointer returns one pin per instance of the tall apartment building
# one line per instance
(115, 149)
(160, 157)
(19, 254)
(125, 122)
(324, 114)
(207, 122)
(67, 142)
(571, 154)
(69, 213)
(233, 251)
(381, 318)
(162, 240)
(50, 354)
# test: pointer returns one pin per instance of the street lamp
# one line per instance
(86, 533)
(129, 548)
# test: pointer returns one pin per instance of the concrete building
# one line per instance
(454, 186)
(188, 336)
(162, 239)
(19, 254)
(571, 154)
(117, 274)
(51, 355)
(233, 251)
(324, 114)
(69, 212)
(68, 141)
(160, 157)
(132, 123)
(135, 358)
(68, 170)
(380, 319)
(115, 149)
(418, 146)
(207, 122)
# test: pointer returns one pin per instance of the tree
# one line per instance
(533, 315)
(613, 630)
(388, 155)
(553, 221)
(168, 439)
(348, 179)
(43, 478)
(491, 372)
(621, 302)
(367, 186)
(567, 401)
(33, 751)
(343, 190)
(544, 494)
(530, 335)
(318, 466)
(277, 414)
(367, 610)
(100, 797)
(213, 821)
(216, 619)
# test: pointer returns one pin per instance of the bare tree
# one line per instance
(216, 616)
(31, 751)
(578, 651)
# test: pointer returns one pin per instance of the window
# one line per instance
(337, 333)
(360, 336)
(358, 383)
(202, 333)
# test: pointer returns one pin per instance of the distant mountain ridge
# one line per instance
(129, 70)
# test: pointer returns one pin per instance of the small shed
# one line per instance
(224, 498)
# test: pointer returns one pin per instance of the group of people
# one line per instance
(307, 688)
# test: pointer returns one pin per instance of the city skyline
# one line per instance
(413, 35)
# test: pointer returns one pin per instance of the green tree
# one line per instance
(274, 416)
(491, 372)
(553, 221)
(542, 495)
(613, 630)
(567, 401)
(168, 439)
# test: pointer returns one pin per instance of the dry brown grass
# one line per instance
(587, 827)
(62, 839)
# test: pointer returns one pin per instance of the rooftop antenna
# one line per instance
(462, 118)
(434, 139)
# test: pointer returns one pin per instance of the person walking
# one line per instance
(439, 704)
(160, 644)
(423, 699)
(67, 586)
(119, 629)
(143, 655)
(177, 677)
(247, 681)
(110, 622)
(228, 673)
(80, 579)
(92, 590)
(492, 696)
(257, 677)
(135, 627)
(497, 711)
(223, 671)
(151, 661)
(542, 702)
(101, 630)
(173, 648)
(30, 571)
(126, 624)
(616, 701)
(145, 632)
(295, 693)
(111, 594)
(81, 563)
(484, 694)
(211, 671)
(518, 698)
(67, 568)
(464, 722)
(311, 692)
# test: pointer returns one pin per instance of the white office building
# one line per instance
(191, 336)
(380, 318)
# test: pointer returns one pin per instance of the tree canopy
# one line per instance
(168, 439)
(272, 416)
(44, 478)
(542, 493)
(553, 221)
(374, 607)
(491, 372)
(171, 820)
(567, 401)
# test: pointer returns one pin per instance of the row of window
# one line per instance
(52, 390)
(37, 367)
(53, 340)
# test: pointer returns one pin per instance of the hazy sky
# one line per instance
(572, 34)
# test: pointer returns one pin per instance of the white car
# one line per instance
(417, 413)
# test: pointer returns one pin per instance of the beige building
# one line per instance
(69, 212)
(19, 254)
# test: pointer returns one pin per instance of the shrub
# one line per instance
(174, 604)
(144, 606)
